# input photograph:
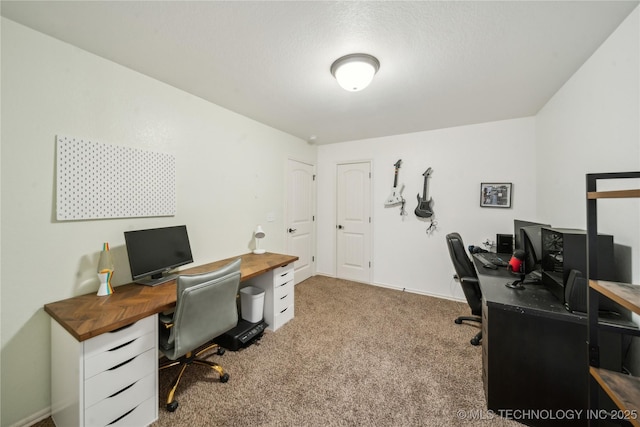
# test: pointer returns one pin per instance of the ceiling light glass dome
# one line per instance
(354, 72)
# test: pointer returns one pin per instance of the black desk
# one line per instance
(534, 353)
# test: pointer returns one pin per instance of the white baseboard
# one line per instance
(419, 292)
(410, 290)
(34, 418)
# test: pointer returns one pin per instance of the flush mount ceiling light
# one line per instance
(354, 72)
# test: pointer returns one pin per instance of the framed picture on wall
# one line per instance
(495, 195)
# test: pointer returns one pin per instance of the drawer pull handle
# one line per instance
(122, 328)
(122, 416)
(122, 345)
(121, 364)
(284, 297)
(123, 390)
(284, 310)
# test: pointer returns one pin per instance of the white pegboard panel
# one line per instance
(96, 181)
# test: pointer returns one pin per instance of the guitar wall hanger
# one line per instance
(395, 198)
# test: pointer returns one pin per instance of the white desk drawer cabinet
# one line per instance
(283, 296)
(110, 379)
(282, 317)
(125, 406)
(278, 290)
(283, 302)
(283, 275)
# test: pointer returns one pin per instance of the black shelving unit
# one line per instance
(624, 390)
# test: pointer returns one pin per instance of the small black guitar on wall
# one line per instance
(423, 210)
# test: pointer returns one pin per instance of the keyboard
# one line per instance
(488, 258)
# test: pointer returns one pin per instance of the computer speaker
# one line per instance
(504, 243)
(575, 292)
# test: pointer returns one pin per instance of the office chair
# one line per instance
(466, 272)
(205, 309)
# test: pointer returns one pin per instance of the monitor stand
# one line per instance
(154, 281)
(516, 284)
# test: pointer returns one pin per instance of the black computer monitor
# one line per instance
(528, 237)
(155, 251)
(518, 225)
(531, 237)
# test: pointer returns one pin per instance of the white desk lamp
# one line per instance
(259, 234)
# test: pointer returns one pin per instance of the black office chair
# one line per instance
(205, 309)
(468, 277)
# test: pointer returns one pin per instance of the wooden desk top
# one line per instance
(89, 315)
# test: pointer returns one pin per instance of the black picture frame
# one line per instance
(496, 194)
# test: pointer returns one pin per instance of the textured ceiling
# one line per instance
(443, 64)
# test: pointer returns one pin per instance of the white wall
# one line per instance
(404, 255)
(230, 175)
(592, 125)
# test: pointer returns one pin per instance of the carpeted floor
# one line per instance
(354, 355)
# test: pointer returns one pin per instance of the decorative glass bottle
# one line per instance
(105, 271)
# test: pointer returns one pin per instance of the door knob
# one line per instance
(292, 230)
(340, 227)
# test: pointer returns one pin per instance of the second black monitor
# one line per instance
(528, 237)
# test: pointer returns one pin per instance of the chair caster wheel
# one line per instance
(171, 407)
(475, 341)
(220, 351)
(457, 321)
(224, 378)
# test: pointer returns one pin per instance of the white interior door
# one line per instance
(300, 217)
(353, 226)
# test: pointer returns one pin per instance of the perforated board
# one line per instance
(96, 181)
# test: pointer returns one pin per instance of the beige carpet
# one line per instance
(353, 355)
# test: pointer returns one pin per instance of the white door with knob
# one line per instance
(300, 217)
(353, 222)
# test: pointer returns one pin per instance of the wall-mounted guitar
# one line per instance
(395, 198)
(424, 210)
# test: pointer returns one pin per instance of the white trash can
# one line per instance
(252, 303)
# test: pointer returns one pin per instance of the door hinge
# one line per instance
(369, 220)
(313, 217)
(369, 264)
(314, 177)
(313, 259)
